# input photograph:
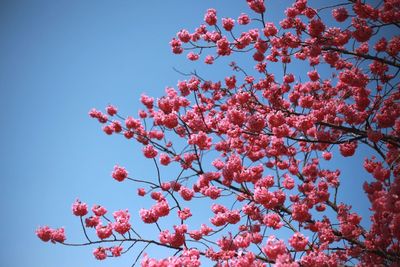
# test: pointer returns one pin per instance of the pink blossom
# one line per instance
(165, 159)
(121, 224)
(340, 14)
(161, 209)
(300, 212)
(298, 241)
(243, 19)
(274, 248)
(316, 27)
(186, 193)
(119, 173)
(176, 46)
(147, 101)
(228, 23)
(327, 155)
(200, 139)
(256, 5)
(104, 231)
(393, 47)
(184, 214)
(273, 220)
(44, 233)
(148, 216)
(108, 129)
(223, 47)
(192, 56)
(209, 60)
(116, 251)
(348, 149)
(92, 221)
(362, 32)
(141, 192)
(116, 126)
(99, 210)
(149, 151)
(270, 29)
(100, 253)
(184, 36)
(111, 110)
(79, 208)
(314, 76)
(211, 17)
(58, 235)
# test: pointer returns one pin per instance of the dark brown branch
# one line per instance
(366, 56)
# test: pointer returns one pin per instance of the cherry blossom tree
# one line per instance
(253, 148)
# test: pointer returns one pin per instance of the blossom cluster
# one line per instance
(261, 141)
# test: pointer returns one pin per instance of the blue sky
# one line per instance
(58, 60)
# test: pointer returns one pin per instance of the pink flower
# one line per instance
(121, 224)
(141, 192)
(243, 19)
(176, 46)
(274, 248)
(230, 82)
(223, 47)
(393, 47)
(381, 45)
(192, 56)
(201, 139)
(104, 231)
(184, 36)
(148, 216)
(288, 182)
(128, 134)
(58, 235)
(116, 251)
(92, 221)
(102, 118)
(184, 214)
(270, 29)
(362, 32)
(108, 129)
(165, 159)
(196, 234)
(209, 60)
(44, 233)
(212, 192)
(313, 75)
(79, 208)
(116, 126)
(149, 152)
(228, 23)
(119, 173)
(257, 5)
(348, 149)
(100, 253)
(316, 27)
(111, 110)
(186, 193)
(298, 241)
(161, 209)
(327, 155)
(272, 220)
(300, 212)
(340, 14)
(211, 17)
(99, 210)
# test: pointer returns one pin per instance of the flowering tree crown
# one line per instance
(255, 144)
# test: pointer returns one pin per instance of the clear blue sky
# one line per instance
(58, 60)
